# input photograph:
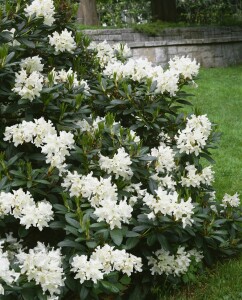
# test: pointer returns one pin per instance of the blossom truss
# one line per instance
(22, 206)
(43, 134)
(119, 165)
(168, 203)
(28, 86)
(184, 66)
(42, 8)
(63, 76)
(63, 42)
(195, 179)
(193, 138)
(44, 266)
(165, 158)
(142, 70)
(7, 274)
(102, 195)
(103, 261)
(106, 52)
(232, 201)
(163, 262)
(31, 64)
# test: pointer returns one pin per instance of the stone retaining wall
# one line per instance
(211, 46)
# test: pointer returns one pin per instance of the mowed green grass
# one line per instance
(219, 95)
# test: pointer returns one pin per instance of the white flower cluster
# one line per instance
(195, 179)
(31, 64)
(63, 76)
(167, 182)
(232, 201)
(44, 267)
(107, 53)
(184, 66)
(42, 8)
(118, 165)
(85, 126)
(63, 41)
(103, 261)
(28, 86)
(141, 70)
(42, 134)
(193, 138)
(22, 206)
(164, 158)
(167, 203)
(102, 195)
(169, 264)
(7, 275)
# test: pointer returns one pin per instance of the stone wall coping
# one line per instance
(148, 44)
(166, 30)
(169, 36)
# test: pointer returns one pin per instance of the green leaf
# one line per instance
(83, 293)
(151, 239)
(72, 222)
(163, 242)
(71, 229)
(109, 286)
(91, 244)
(9, 57)
(27, 43)
(125, 280)
(22, 232)
(3, 182)
(131, 243)
(117, 236)
(71, 244)
(57, 225)
(60, 207)
(132, 234)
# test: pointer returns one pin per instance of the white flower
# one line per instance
(44, 267)
(28, 86)
(87, 269)
(42, 8)
(6, 273)
(167, 203)
(193, 138)
(194, 179)
(177, 264)
(31, 64)
(135, 137)
(184, 66)
(63, 41)
(167, 82)
(103, 261)
(165, 158)
(57, 148)
(92, 188)
(106, 52)
(112, 213)
(22, 206)
(118, 165)
(232, 201)
(43, 135)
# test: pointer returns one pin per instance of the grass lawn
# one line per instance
(219, 95)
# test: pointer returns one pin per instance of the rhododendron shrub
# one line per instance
(104, 193)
